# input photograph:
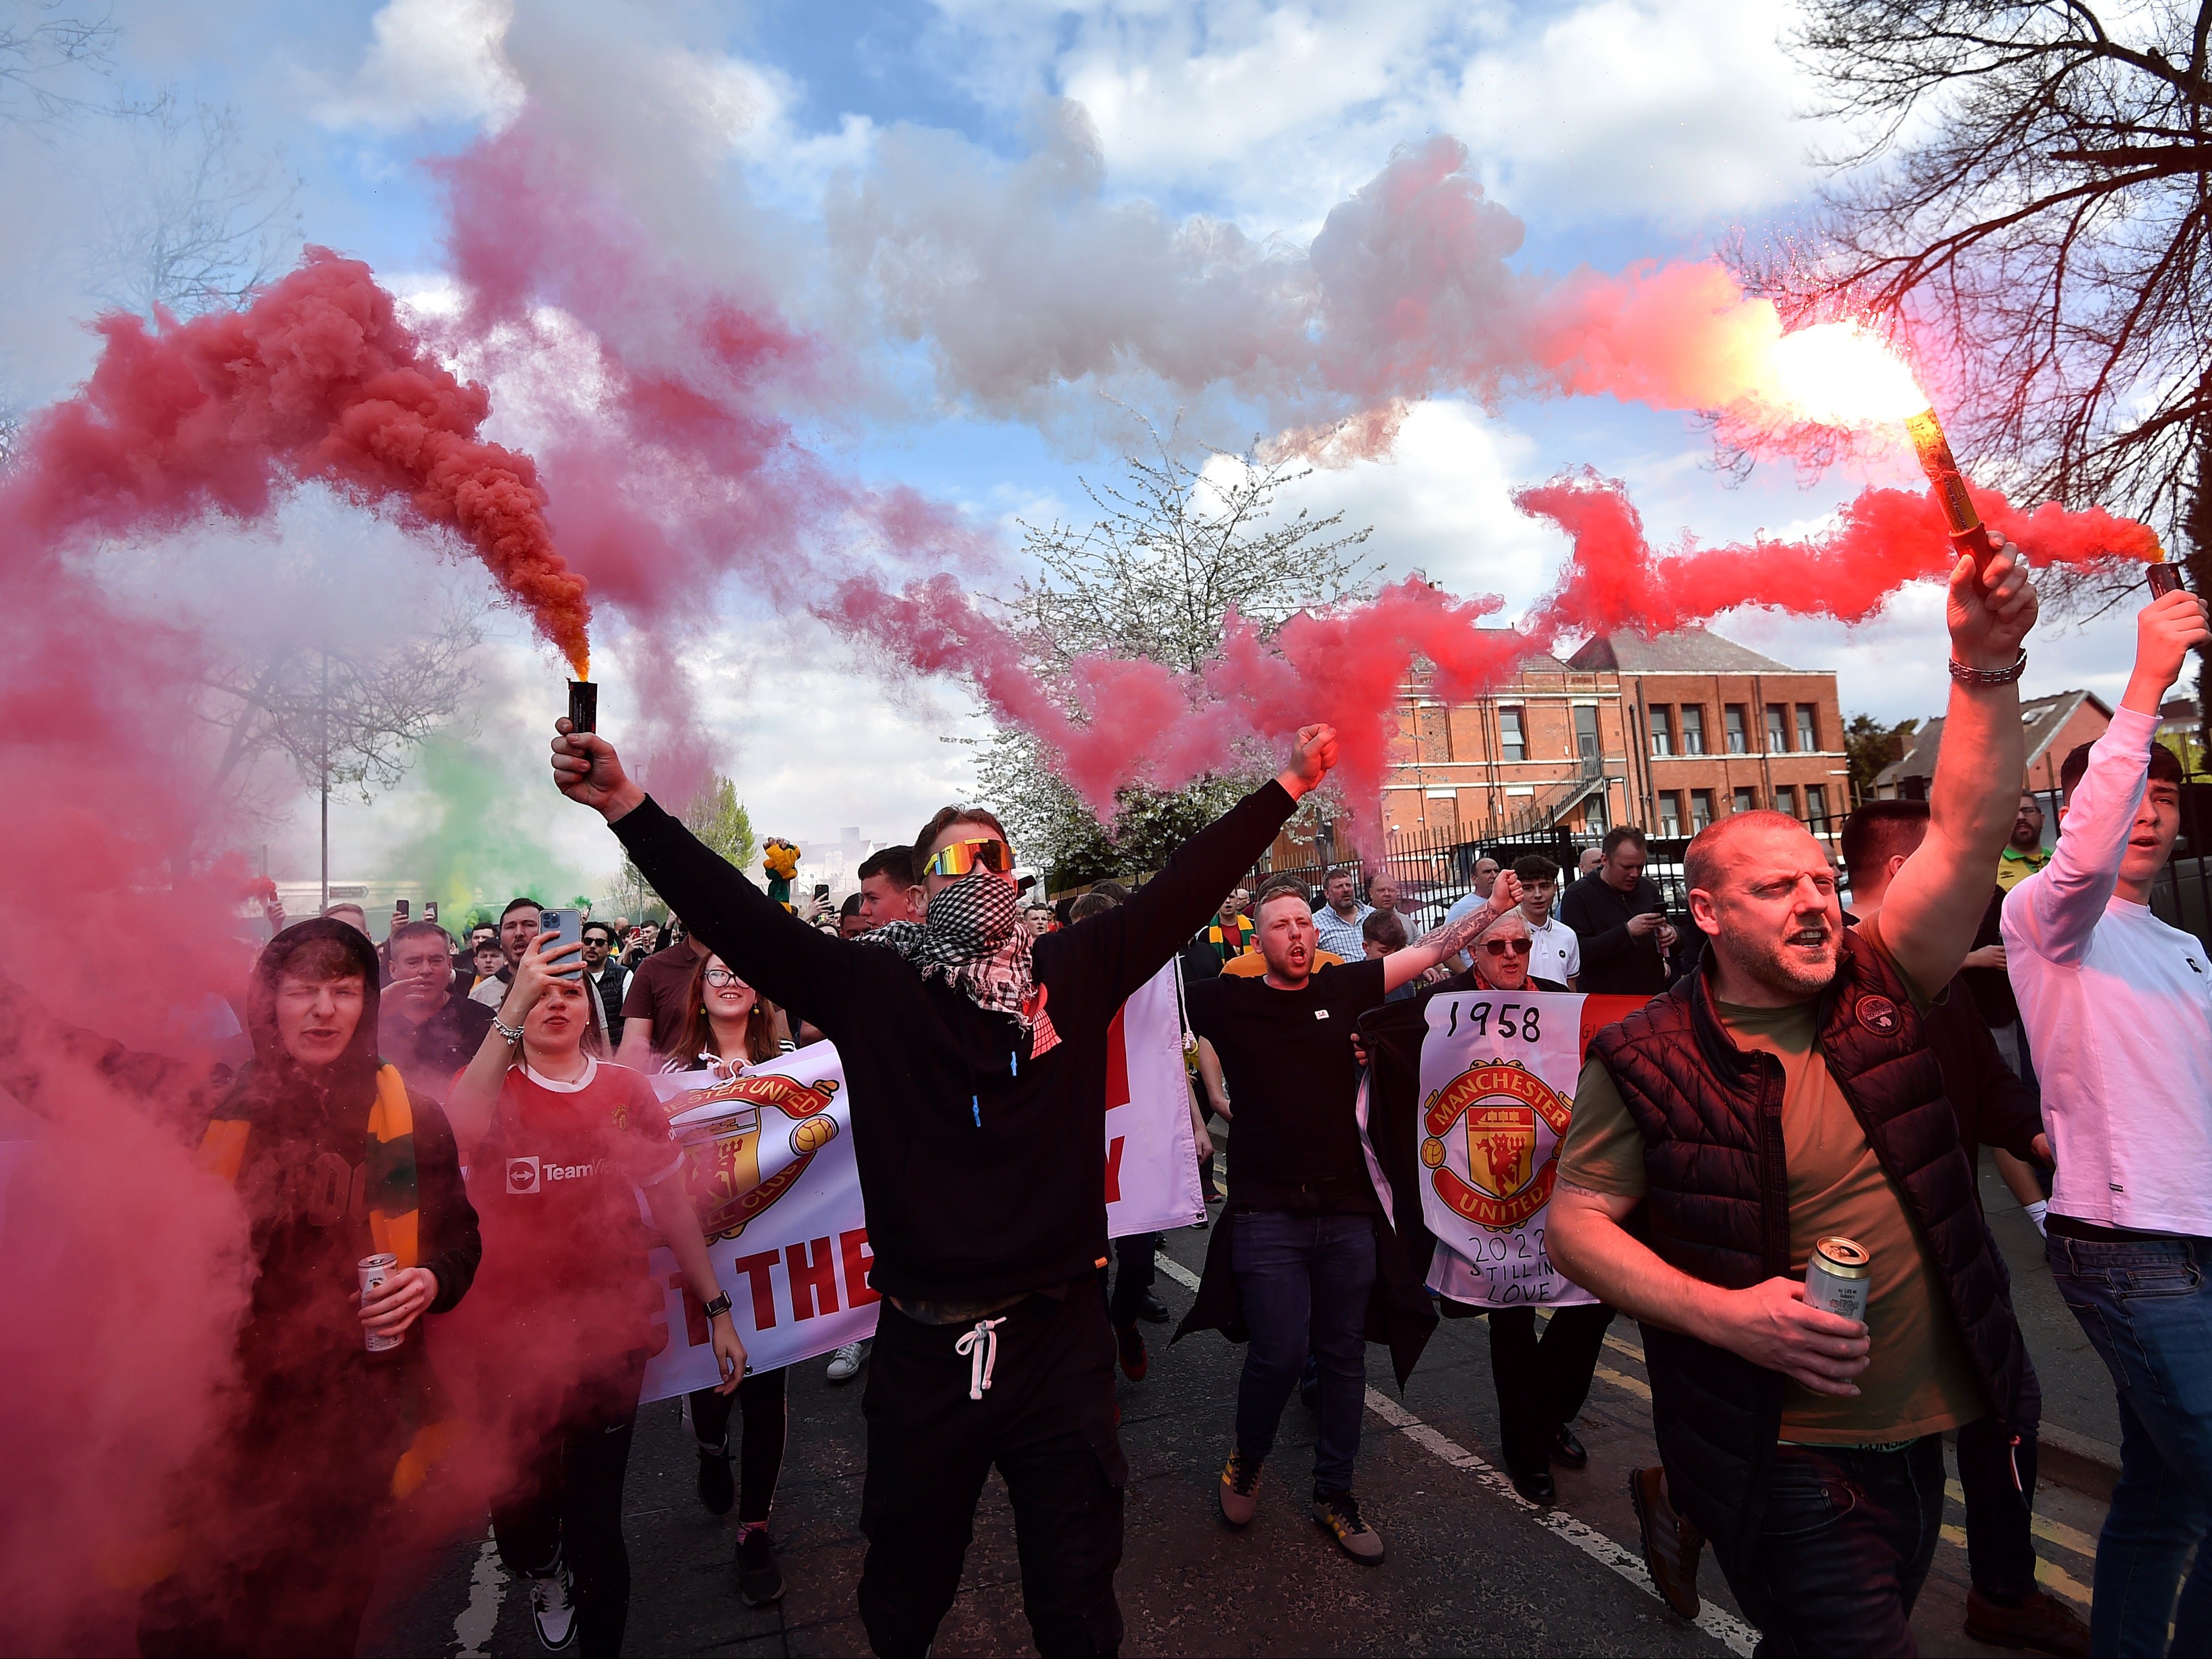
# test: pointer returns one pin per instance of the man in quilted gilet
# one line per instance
(1784, 1094)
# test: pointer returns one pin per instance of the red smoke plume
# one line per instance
(317, 379)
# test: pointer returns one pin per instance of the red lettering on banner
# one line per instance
(761, 1278)
(813, 1271)
(695, 1330)
(1113, 1169)
(1117, 1062)
(853, 1249)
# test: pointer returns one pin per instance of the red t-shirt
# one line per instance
(564, 1260)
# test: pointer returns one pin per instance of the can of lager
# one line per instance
(374, 1270)
(1837, 1276)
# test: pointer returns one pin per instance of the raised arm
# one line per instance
(1136, 939)
(1936, 900)
(2053, 912)
(780, 956)
(1442, 943)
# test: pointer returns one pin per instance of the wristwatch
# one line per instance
(719, 1306)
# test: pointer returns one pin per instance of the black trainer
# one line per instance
(760, 1580)
(717, 1491)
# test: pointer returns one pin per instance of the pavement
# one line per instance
(1472, 1568)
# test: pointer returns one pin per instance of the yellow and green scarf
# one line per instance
(1217, 937)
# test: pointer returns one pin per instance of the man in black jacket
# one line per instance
(975, 1055)
(1620, 921)
(1787, 1094)
(428, 1027)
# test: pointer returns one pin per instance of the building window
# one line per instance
(1739, 735)
(1746, 800)
(1594, 817)
(1808, 728)
(1777, 729)
(1663, 730)
(1816, 805)
(1785, 798)
(1512, 742)
(1701, 809)
(1670, 814)
(1693, 728)
(1586, 731)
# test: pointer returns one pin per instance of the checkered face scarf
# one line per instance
(974, 939)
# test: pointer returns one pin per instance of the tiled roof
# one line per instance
(1685, 651)
(2041, 719)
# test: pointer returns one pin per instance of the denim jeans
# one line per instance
(2143, 1304)
(1304, 1280)
(1846, 1542)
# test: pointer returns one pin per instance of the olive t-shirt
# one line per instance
(1917, 1380)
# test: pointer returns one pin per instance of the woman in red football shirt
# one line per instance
(554, 1138)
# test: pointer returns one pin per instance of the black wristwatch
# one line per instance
(719, 1306)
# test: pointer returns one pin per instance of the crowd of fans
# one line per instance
(1785, 1072)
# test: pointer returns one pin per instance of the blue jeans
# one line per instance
(2145, 1306)
(1304, 1280)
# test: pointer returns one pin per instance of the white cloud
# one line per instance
(432, 60)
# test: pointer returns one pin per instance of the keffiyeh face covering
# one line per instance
(975, 940)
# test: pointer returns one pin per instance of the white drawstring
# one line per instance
(982, 1347)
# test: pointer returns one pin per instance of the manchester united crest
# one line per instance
(1495, 1107)
(737, 1167)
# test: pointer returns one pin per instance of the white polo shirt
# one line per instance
(1554, 952)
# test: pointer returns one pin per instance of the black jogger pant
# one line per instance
(1045, 1421)
(1541, 1384)
(1134, 1271)
(760, 1445)
(566, 1503)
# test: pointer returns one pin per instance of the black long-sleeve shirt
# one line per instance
(1614, 961)
(982, 1167)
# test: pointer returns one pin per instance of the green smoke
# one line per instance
(477, 851)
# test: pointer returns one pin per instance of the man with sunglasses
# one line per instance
(976, 1058)
(1301, 1240)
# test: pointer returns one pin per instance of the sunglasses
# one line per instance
(1498, 947)
(962, 856)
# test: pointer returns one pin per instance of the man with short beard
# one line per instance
(427, 1028)
(1787, 1094)
(1338, 921)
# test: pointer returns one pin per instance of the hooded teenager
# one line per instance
(975, 1053)
(274, 1545)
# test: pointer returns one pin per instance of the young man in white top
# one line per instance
(1554, 952)
(2118, 1008)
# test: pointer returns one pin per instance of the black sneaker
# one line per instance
(1152, 1310)
(1568, 1452)
(717, 1491)
(760, 1580)
(1338, 1511)
(553, 1607)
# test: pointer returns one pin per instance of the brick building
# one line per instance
(2051, 727)
(1668, 733)
(1719, 728)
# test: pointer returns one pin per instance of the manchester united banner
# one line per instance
(768, 1158)
(1498, 1076)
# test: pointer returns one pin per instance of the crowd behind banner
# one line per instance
(508, 1186)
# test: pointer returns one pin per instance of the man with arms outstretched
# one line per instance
(977, 1057)
(1785, 1094)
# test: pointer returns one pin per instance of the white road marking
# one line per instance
(1725, 1628)
(474, 1623)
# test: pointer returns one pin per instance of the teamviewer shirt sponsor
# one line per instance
(564, 1247)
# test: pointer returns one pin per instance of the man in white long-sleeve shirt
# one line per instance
(2118, 1010)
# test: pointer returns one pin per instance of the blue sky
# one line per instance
(1615, 129)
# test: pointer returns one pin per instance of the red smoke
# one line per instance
(317, 379)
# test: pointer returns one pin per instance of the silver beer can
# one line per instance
(1837, 1277)
(374, 1269)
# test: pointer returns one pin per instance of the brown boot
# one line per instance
(1672, 1543)
(2041, 1624)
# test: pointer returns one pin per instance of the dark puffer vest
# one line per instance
(1718, 1209)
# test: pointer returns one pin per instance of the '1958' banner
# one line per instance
(1498, 1071)
(769, 1157)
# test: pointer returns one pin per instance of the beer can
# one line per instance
(1837, 1277)
(374, 1270)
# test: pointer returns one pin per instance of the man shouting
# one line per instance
(976, 1053)
(1783, 1097)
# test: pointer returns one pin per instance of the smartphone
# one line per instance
(822, 889)
(431, 910)
(399, 909)
(567, 927)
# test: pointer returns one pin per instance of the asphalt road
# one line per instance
(1471, 1567)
